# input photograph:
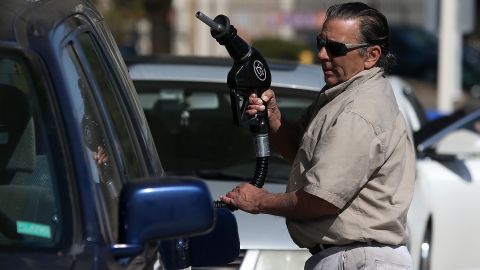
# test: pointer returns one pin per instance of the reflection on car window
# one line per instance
(95, 139)
(30, 213)
(104, 127)
(193, 129)
(108, 89)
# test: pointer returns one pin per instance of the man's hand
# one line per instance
(283, 135)
(256, 104)
(100, 156)
(245, 197)
(295, 204)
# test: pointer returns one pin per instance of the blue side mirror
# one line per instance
(217, 248)
(155, 209)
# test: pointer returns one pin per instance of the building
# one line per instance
(285, 19)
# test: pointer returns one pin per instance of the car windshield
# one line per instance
(193, 129)
(461, 138)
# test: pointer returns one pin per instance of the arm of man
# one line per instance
(296, 204)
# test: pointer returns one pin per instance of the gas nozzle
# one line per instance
(249, 73)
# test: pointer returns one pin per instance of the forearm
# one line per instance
(297, 205)
(284, 137)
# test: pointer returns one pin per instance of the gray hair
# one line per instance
(374, 28)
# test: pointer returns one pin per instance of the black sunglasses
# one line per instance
(337, 48)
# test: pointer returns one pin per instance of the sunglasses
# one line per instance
(337, 48)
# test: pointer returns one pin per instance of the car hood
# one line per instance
(257, 231)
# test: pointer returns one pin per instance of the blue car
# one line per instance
(81, 183)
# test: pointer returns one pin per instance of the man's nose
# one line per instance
(322, 54)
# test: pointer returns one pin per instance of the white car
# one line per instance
(443, 218)
(186, 101)
(187, 105)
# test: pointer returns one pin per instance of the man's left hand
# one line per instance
(245, 197)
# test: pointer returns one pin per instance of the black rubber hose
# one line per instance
(261, 170)
(258, 180)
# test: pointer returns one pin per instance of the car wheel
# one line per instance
(426, 249)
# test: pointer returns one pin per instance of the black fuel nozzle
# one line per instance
(249, 73)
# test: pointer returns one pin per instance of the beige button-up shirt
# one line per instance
(357, 154)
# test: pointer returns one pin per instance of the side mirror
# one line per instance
(155, 209)
(217, 248)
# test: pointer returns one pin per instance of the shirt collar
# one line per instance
(332, 91)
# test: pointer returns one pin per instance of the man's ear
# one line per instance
(372, 56)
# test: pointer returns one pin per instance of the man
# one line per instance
(353, 162)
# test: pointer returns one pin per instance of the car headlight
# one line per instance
(275, 259)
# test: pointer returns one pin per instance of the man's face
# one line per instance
(338, 69)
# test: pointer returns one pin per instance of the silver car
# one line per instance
(187, 104)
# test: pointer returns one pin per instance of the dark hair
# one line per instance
(373, 28)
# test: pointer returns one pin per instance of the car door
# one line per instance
(115, 136)
(39, 219)
(110, 145)
(81, 183)
(69, 144)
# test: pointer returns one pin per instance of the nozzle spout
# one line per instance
(208, 21)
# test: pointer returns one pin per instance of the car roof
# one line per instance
(215, 69)
(285, 74)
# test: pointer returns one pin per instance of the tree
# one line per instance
(122, 17)
(159, 12)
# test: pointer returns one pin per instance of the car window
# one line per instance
(193, 129)
(30, 200)
(104, 173)
(107, 87)
(108, 147)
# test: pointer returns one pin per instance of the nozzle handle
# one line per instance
(208, 21)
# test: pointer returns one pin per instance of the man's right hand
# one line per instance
(257, 104)
(283, 135)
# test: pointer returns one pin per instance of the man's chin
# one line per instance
(331, 81)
